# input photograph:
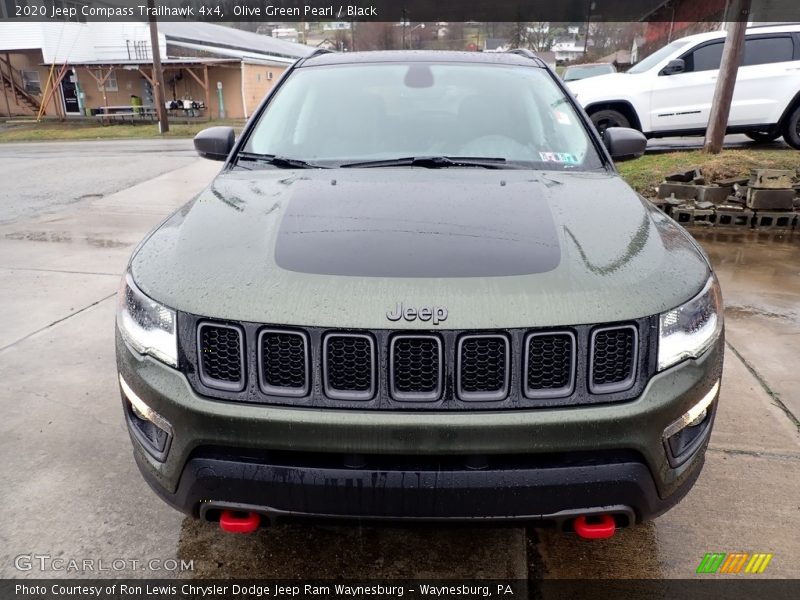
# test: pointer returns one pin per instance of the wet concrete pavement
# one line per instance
(761, 278)
(48, 176)
(71, 488)
(748, 496)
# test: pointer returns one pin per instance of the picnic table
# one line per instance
(186, 112)
(195, 109)
(123, 112)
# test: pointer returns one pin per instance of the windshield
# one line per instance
(576, 73)
(336, 115)
(656, 57)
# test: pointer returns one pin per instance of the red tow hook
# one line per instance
(234, 522)
(605, 528)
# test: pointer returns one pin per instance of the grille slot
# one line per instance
(283, 363)
(221, 358)
(549, 369)
(348, 362)
(483, 367)
(613, 359)
(415, 368)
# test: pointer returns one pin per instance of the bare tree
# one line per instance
(518, 37)
(541, 35)
(610, 37)
(455, 36)
(342, 40)
(377, 35)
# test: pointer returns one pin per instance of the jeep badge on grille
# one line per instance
(436, 314)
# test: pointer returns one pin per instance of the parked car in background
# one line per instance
(671, 91)
(578, 72)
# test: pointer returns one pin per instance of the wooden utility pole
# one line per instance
(726, 82)
(588, 27)
(158, 73)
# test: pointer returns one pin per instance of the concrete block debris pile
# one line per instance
(768, 199)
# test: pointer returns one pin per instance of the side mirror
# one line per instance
(624, 143)
(676, 65)
(215, 143)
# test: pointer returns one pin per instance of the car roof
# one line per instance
(406, 56)
(714, 35)
(591, 65)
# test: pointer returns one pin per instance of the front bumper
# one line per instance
(554, 494)
(543, 464)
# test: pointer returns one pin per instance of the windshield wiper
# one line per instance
(282, 162)
(433, 162)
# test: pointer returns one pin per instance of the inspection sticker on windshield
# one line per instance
(559, 157)
(562, 117)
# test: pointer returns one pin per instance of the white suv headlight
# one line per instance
(146, 325)
(688, 331)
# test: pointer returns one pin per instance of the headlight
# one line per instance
(687, 331)
(145, 324)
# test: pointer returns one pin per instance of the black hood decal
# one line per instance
(382, 229)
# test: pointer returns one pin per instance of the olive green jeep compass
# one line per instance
(419, 290)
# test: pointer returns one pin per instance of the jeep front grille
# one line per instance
(221, 356)
(549, 364)
(349, 366)
(613, 359)
(483, 367)
(415, 368)
(384, 369)
(283, 362)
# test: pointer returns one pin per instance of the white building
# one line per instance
(287, 34)
(568, 48)
(66, 69)
(336, 26)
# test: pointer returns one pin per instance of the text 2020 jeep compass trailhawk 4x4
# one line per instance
(419, 290)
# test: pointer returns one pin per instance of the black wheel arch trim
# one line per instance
(793, 105)
(610, 104)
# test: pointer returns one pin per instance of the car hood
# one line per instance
(496, 248)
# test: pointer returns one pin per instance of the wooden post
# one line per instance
(52, 93)
(195, 76)
(103, 85)
(208, 92)
(11, 78)
(146, 76)
(58, 93)
(5, 91)
(158, 74)
(5, 95)
(203, 83)
(101, 81)
(726, 82)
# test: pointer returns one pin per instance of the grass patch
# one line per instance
(78, 130)
(645, 173)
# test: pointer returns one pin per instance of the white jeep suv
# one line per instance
(670, 92)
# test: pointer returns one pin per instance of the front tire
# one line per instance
(603, 119)
(791, 129)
